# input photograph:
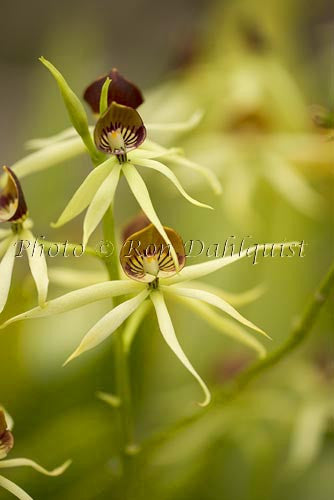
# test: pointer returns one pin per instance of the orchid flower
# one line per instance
(6, 444)
(146, 260)
(115, 148)
(13, 209)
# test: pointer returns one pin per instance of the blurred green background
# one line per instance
(254, 68)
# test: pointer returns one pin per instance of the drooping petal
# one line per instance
(133, 323)
(213, 300)
(160, 167)
(25, 462)
(120, 90)
(103, 198)
(108, 324)
(85, 193)
(224, 325)
(5, 243)
(295, 189)
(167, 330)
(139, 189)
(145, 256)
(199, 270)
(6, 269)
(119, 130)
(38, 267)
(78, 298)
(185, 126)
(49, 156)
(13, 207)
(14, 489)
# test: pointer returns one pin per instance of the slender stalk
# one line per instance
(121, 366)
(228, 392)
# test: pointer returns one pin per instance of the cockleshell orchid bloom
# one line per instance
(13, 209)
(6, 444)
(117, 145)
(146, 260)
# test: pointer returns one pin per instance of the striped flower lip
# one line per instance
(6, 437)
(119, 130)
(146, 257)
(120, 90)
(13, 207)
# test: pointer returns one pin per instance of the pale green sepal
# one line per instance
(6, 270)
(133, 323)
(104, 96)
(76, 278)
(54, 154)
(79, 298)
(185, 126)
(224, 325)
(103, 198)
(38, 267)
(25, 462)
(108, 324)
(42, 142)
(168, 333)
(199, 270)
(4, 233)
(213, 300)
(139, 189)
(75, 109)
(167, 172)
(290, 184)
(110, 399)
(14, 489)
(85, 193)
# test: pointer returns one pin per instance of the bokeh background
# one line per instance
(255, 68)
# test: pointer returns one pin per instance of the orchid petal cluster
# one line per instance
(6, 445)
(151, 275)
(13, 209)
(116, 145)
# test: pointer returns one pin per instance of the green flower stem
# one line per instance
(122, 370)
(228, 392)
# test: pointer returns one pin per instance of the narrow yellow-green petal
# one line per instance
(185, 126)
(38, 267)
(76, 278)
(85, 193)
(213, 300)
(103, 198)
(167, 330)
(104, 96)
(139, 189)
(6, 270)
(14, 489)
(224, 325)
(167, 172)
(52, 155)
(108, 324)
(26, 462)
(78, 298)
